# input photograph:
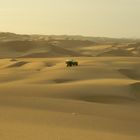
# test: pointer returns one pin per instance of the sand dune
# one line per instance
(41, 98)
(127, 50)
(42, 46)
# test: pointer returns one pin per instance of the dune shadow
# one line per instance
(49, 64)
(18, 64)
(135, 90)
(130, 73)
(109, 99)
(13, 60)
(62, 81)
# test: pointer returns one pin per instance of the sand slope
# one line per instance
(42, 46)
(40, 98)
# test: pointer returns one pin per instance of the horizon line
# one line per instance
(90, 36)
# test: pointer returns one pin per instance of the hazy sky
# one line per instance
(112, 18)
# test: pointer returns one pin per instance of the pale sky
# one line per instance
(110, 18)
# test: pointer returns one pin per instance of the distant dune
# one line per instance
(126, 50)
(14, 45)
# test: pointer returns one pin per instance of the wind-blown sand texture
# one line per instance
(42, 99)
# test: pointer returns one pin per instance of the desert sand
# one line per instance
(42, 99)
